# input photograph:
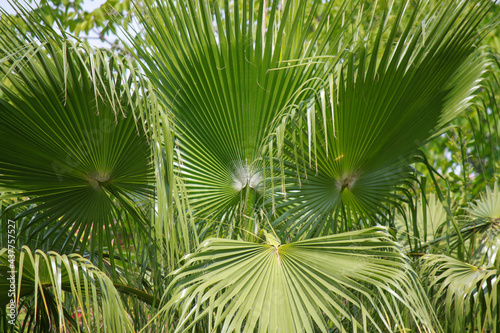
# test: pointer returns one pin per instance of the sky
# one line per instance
(88, 5)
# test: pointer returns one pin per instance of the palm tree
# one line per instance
(241, 173)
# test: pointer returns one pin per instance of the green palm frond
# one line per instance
(488, 207)
(175, 233)
(53, 290)
(422, 222)
(466, 296)
(478, 230)
(349, 281)
(348, 148)
(484, 229)
(70, 143)
(225, 74)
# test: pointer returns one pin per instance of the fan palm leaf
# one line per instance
(421, 223)
(70, 143)
(466, 295)
(348, 281)
(484, 229)
(225, 74)
(479, 230)
(349, 148)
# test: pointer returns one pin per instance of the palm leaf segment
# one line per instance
(350, 145)
(484, 227)
(488, 207)
(46, 283)
(69, 138)
(428, 225)
(467, 294)
(297, 287)
(223, 74)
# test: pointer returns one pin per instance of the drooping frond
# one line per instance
(60, 293)
(468, 296)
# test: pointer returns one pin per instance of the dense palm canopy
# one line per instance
(250, 166)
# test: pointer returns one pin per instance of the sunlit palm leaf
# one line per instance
(351, 281)
(421, 222)
(354, 141)
(484, 229)
(55, 289)
(488, 207)
(225, 76)
(480, 229)
(468, 296)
